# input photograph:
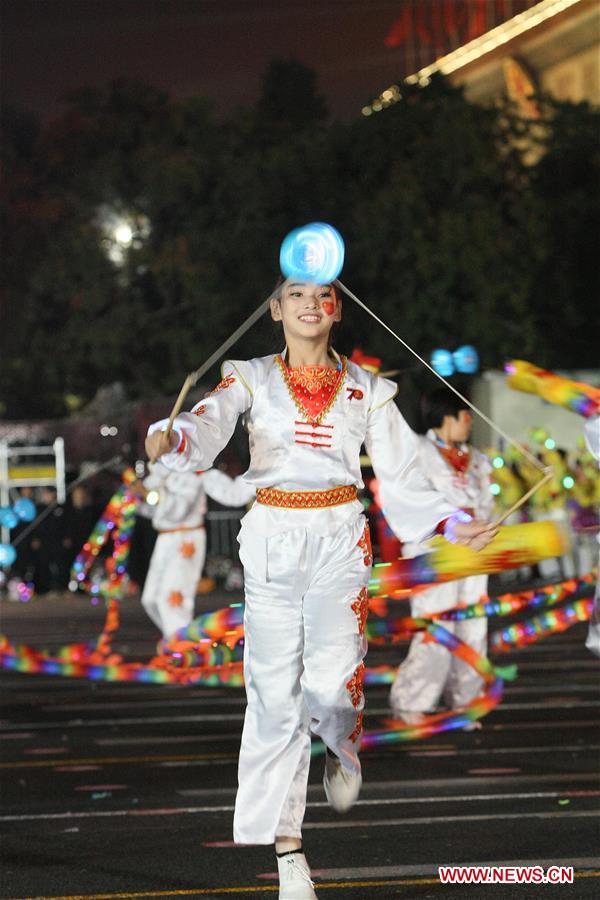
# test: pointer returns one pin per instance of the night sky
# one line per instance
(217, 48)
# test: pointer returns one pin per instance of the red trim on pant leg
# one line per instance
(355, 685)
(360, 608)
(364, 543)
(357, 728)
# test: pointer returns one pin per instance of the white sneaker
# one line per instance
(294, 878)
(342, 787)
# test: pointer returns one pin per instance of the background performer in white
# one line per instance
(592, 439)
(461, 473)
(180, 550)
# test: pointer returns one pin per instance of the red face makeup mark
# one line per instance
(328, 307)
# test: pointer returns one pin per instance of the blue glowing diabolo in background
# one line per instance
(441, 361)
(314, 252)
(8, 517)
(25, 509)
(8, 554)
(466, 359)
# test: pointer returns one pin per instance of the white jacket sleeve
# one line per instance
(156, 477)
(591, 431)
(412, 508)
(226, 490)
(485, 504)
(207, 429)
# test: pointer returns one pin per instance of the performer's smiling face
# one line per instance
(306, 310)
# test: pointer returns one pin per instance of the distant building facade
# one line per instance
(550, 47)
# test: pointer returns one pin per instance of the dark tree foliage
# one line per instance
(289, 98)
(566, 286)
(462, 224)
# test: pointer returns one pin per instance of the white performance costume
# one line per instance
(592, 439)
(180, 549)
(430, 670)
(306, 557)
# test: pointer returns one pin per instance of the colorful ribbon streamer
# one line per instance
(115, 523)
(577, 396)
(210, 649)
(513, 546)
(522, 634)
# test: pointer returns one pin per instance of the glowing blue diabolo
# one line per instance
(8, 517)
(314, 252)
(466, 359)
(25, 509)
(8, 554)
(441, 361)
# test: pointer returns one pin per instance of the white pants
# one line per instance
(170, 587)
(593, 636)
(430, 671)
(306, 604)
(557, 567)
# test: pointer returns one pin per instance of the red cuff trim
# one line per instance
(181, 445)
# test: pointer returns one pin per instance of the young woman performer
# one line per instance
(306, 555)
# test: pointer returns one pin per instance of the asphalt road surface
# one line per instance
(127, 790)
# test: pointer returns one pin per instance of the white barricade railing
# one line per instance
(15, 473)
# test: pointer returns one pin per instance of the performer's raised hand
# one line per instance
(159, 443)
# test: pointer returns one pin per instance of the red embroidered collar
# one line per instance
(314, 389)
(457, 458)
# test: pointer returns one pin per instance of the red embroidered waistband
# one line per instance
(345, 493)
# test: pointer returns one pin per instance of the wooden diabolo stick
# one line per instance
(193, 377)
(546, 478)
(185, 388)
